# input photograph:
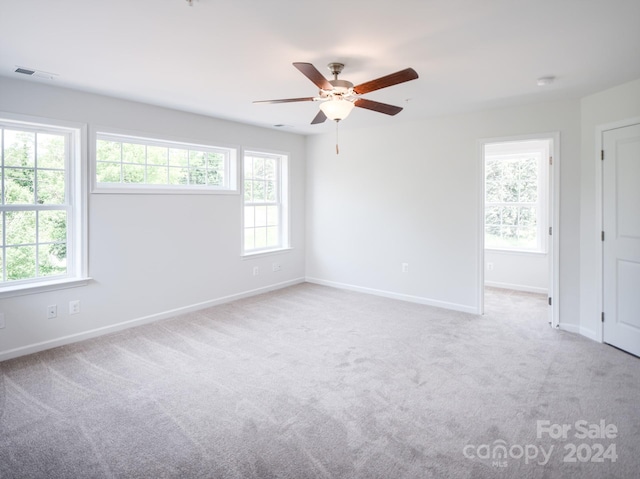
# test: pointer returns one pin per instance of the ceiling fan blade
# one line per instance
(319, 118)
(312, 73)
(286, 100)
(377, 106)
(385, 81)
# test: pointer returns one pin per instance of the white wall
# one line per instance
(609, 106)
(519, 271)
(150, 254)
(409, 192)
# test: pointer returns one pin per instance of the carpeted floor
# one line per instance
(314, 382)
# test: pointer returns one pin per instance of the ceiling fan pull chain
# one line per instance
(337, 148)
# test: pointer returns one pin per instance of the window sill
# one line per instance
(158, 190)
(269, 252)
(516, 251)
(43, 287)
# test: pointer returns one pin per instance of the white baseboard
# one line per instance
(74, 338)
(570, 328)
(588, 333)
(574, 328)
(517, 287)
(392, 295)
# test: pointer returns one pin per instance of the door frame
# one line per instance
(599, 259)
(553, 218)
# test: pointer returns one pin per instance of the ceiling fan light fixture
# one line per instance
(337, 109)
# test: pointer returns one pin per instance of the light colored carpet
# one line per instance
(314, 382)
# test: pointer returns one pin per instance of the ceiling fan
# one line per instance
(338, 97)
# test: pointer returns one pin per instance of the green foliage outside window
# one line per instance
(511, 203)
(123, 162)
(33, 217)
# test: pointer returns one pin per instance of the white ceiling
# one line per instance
(216, 56)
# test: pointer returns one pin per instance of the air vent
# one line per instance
(24, 71)
(35, 73)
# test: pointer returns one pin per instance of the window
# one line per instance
(265, 202)
(134, 164)
(515, 195)
(41, 210)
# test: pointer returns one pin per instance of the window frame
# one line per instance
(231, 185)
(282, 201)
(522, 149)
(75, 204)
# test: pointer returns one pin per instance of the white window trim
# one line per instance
(77, 249)
(284, 189)
(506, 151)
(232, 174)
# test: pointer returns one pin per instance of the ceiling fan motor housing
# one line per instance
(341, 86)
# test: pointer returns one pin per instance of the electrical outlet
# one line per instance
(2, 323)
(74, 306)
(52, 311)
(276, 267)
(405, 267)
(256, 270)
(489, 266)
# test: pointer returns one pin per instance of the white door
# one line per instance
(621, 246)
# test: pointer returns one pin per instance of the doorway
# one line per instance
(518, 216)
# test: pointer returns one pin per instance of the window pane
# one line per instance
(157, 175)
(157, 155)
(178, 157)
(270, 194)
(493, 192)
(260, 215)
(527, 216)
(37, 198)
(50, 187)
(248, 167)
(215, 161)
(52, 226)
(529, 191)
(258, 191)
(132, 153)
(493, 171)
(248, 216)
(21, 262)
(273, 236)
(492, 236)
(270, 169)
(52, 260)
(21, 227)
(263, 212)
(261, 237)
(178, 176)
(19, 186)
(248, 190)
(197, 176)
(272, 215)
(133, 173)
(528, 169)
(214, 177)
(527, 237)
(197, 159)
(50, 151)
(108, 172)
(109, 151)
(509, 215)
(258, 168)
(19, 148)
(492, 215)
